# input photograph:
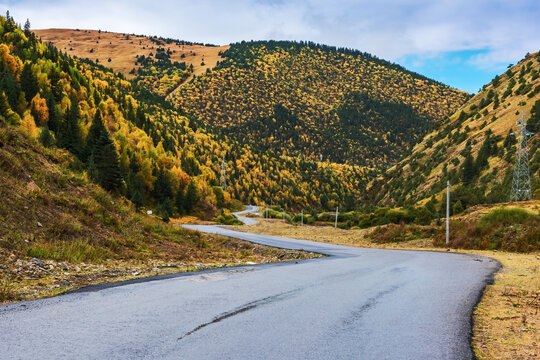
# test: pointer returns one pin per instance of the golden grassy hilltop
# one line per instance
(124, 53)
(123, 49)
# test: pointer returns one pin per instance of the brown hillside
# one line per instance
(122, 49)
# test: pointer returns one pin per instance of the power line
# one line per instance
(521, 182)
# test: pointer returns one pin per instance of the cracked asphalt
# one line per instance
(354, 304)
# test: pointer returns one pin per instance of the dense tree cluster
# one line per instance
(304, 98)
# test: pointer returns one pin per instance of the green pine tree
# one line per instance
(180, 202)
(94, 133)
(162, 186)
(29, 83)
(55, 114)
(457, 208)
(45, 138)
(468, 170)
(191, 197)
(10, 87)
(533, 124)
(137, 199)
(6, 112)
(165, 209)
(107, 164)
(70, 132)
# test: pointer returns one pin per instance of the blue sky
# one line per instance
(455, 68)
(463, 43)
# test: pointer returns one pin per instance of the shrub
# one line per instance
(226, 218)
(507, 216)
(400, 232)
(508, 229)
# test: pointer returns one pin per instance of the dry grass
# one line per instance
(506, 321)
(122, 50)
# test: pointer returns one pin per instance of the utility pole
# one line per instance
(337, 211)
(521, 182)
(223, 179)
(447, 211)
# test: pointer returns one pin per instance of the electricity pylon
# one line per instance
(223, 179)
(521, 182)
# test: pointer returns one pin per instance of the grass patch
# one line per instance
(75, 252)
(7, 292)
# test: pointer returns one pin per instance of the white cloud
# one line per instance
(389, 29)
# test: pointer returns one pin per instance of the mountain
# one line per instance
(474, 148)
(131, 142)
(315, 100)
(158, 64)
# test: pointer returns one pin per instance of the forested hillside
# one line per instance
(474, 148)
(312, 100)
(125, 139)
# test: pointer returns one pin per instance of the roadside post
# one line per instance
(447, 211)
(337, 211)
(302, 223)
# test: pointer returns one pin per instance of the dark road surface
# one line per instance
(355, 304)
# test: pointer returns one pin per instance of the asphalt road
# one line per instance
(246, 220)
(355, 304)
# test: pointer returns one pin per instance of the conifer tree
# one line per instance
(107, 164)
(10, 87)
(70, 131)
(165, 209)
(55, 114)
(27, 28)
(533, 124)
(191, 197)
(162, 186)
(29, 83)
(56, 86)
(45, 138)
(6, 112)
(94, 133)
(180, 202)
(457, 208)
(468, 171)
(136, 189)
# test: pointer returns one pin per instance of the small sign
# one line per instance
(149, 212)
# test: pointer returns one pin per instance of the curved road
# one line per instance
(355, 304)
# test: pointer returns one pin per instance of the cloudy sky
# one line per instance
(463, 43)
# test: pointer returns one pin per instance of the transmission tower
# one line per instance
(521, 183)
(223, 179)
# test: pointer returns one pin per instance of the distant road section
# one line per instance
(354, 304)
(246, 220)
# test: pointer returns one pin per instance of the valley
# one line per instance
(125, 157)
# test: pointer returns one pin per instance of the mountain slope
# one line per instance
(473, 148)
(165, 161)
(158, 64)
(302, 98)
